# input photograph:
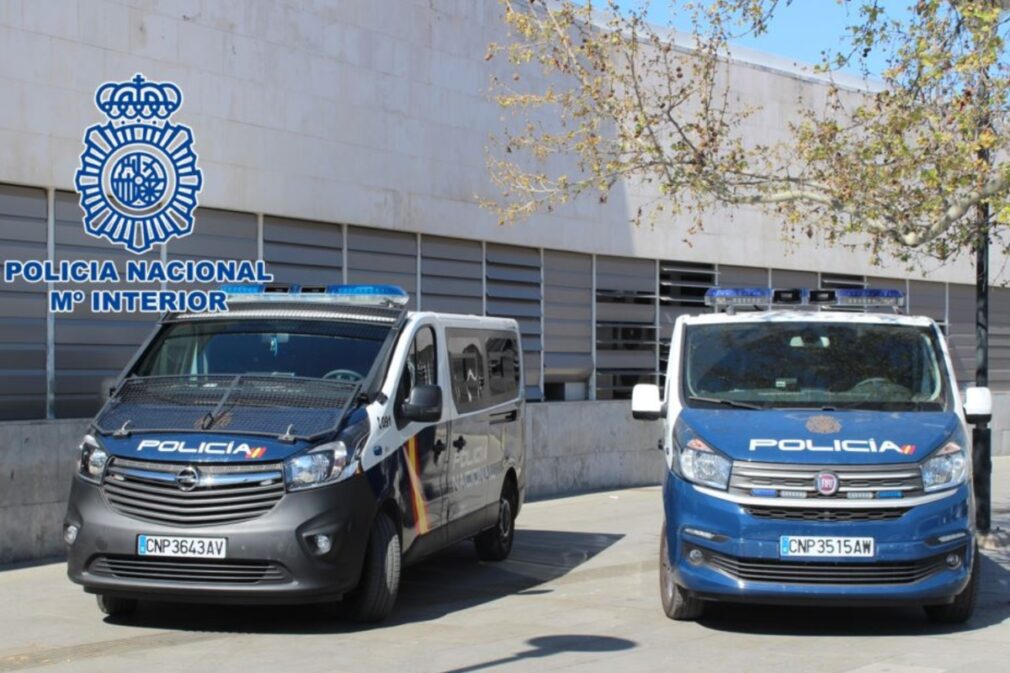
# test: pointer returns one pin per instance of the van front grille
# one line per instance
(820, 572)
(197, 571)
(863, 482)
(192, 495)
(825, 513)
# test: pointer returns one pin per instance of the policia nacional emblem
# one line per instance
(138, 177)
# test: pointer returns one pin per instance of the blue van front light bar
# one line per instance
(374, 295)
(763, 297)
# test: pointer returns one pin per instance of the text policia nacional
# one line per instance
(66, 276)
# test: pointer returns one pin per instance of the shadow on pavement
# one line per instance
(993, 608)
(449, 581)
(547, 646)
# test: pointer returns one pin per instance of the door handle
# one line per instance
(506, 417)
(459, 443)
(438, 447)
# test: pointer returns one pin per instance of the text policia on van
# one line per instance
(298, 449)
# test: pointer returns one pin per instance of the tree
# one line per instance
(902, 162)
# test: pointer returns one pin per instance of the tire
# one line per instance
(495, 544)
(375, 595)
(963, 606)
(114, 606)
(678, 603)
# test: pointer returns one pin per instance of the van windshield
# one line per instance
(310, 349)
(816, 365)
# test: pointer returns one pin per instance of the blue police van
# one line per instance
(818, 452)
(299, 448)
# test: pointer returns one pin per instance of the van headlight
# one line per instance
(322, 465)
(93, 459)
(946, 468)
(698, 462)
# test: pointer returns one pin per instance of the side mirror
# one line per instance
(645, 402)
(424, 405)
(977, 405)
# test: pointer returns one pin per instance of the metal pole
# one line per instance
(982, 434)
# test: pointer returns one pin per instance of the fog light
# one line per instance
(953, 561)
(695, 557)
(322, 543)
(70, 533)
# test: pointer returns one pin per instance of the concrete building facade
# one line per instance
(345, 140)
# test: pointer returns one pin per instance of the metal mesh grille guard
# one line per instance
(282, 406)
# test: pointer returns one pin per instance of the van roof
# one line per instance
(465, 320)
(808, 316)
(346, 312)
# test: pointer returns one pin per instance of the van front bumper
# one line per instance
(269, 559)
(739, 553)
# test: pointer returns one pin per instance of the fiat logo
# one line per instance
(826, 483)
(187, 478)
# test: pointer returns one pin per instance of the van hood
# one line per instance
(846, 437)
(195, 447)
(223, 418)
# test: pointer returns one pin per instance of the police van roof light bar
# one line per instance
(725, 297)
(374, 295)
(728, 299)
(869, 297)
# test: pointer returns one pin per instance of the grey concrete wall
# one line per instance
(573, 446)
(581, 446)
(37, 459)
(1001, 424)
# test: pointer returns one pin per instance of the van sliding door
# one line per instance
(468, 447)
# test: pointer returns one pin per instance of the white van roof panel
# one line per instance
(808, 316)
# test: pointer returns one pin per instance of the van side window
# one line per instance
(466, 360)
(421, 368)
(503, 366)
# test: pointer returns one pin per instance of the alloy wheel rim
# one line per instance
(505, 518)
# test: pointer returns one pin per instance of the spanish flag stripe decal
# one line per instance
(419, 506)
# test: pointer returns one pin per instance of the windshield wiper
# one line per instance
(728, 403)
(212, 417)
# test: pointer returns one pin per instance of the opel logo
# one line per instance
(187, 478)
(826, 483)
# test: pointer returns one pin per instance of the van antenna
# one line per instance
(124, 430)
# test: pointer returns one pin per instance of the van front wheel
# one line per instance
(375, 595)
(114, 606)
(678, 603)
(495, 543)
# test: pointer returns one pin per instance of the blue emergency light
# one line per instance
(243, 288)
(389, 295)
(764, 297)
(745, 296)
(869, 297)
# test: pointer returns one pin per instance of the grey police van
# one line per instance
(299, 448)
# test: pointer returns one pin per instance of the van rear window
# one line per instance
(485, 367)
